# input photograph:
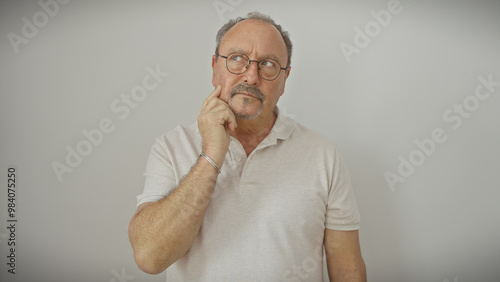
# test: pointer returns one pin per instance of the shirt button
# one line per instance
(238, 159)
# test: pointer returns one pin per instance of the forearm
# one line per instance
(343, 256)
(162, 232)
(356, 273)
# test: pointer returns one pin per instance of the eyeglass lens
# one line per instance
(239, 63)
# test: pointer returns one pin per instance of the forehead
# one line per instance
(255, 38)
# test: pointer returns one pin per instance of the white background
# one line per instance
(442, 223)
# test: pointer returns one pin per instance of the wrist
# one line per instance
(208, 159)
(215, 154)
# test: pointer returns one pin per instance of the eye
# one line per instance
(237, 58)
(268, 64)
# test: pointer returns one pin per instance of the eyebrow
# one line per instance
(241, 51)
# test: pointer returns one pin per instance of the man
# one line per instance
(247, 194)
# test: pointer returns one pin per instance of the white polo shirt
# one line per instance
(268, 213)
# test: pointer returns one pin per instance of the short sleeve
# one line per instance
(342, 211)
(160, 179)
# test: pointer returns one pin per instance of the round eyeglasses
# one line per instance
(268, 69)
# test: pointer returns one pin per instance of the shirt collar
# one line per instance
(283, 126)
(282, 129)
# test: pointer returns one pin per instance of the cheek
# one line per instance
(227, 82)
(281, 88)
(220, 79)
(219, 75)
(273, 98)
(226, 92)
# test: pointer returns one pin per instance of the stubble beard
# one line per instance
(244, 114)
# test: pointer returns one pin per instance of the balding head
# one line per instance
(260, 17)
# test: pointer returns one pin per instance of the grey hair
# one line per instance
(254, 16)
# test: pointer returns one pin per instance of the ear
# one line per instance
(287, 73)
(214, 63)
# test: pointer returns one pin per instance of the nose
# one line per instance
(251, 75)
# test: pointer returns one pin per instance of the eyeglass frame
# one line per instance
(249, 63)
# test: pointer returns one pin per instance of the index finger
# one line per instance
(216, 92)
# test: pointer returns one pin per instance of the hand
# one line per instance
(214, 123)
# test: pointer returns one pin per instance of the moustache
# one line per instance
(247, 89)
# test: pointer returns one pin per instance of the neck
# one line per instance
(251, 132)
